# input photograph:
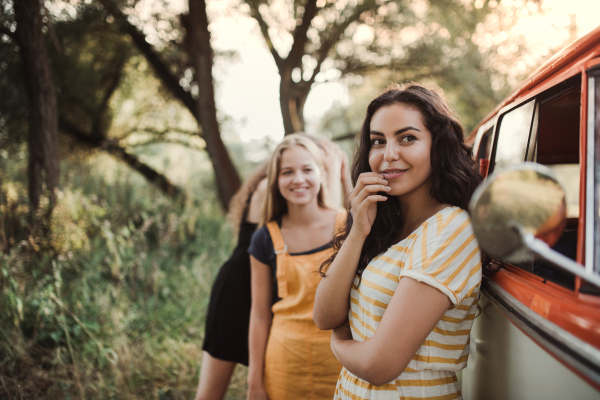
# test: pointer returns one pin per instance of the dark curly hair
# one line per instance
(453, 176)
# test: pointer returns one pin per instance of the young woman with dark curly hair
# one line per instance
(400, 292)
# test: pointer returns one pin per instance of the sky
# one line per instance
(248, 85)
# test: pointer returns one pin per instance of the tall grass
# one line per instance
(111, 303)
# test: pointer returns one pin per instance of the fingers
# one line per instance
(369, 190)
(370, 181)
(369, 178)
(367, 201)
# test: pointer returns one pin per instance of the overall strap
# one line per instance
(281, 250)
(278, 242)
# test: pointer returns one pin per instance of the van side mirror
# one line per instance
(519, 212)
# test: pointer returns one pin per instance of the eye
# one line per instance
(377, 141)
(307, 170)
(286, 172)
(408, 138)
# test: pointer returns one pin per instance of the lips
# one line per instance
(299, 190)
(392, 173)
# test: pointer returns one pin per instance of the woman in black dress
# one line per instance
(228, 317)
(226, 329)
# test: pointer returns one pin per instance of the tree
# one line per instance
(88, 62)
(316, 27)
(43, 114)
(90, 70)
(328, 39)
(189, 55)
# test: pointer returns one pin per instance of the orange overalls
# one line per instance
(299, 363)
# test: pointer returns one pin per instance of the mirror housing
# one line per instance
(522, 199)
(519, 212)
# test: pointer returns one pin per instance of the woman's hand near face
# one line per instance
(364, 199)
(331, 299)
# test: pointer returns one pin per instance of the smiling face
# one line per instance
(299, 177)
(401, 148)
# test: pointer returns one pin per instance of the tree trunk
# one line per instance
(227, 179)
(43, 111)
(292, 98)
(289, 103)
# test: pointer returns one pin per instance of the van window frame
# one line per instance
(592, 200)
(497, 127)
(540, 99)
(543, 98)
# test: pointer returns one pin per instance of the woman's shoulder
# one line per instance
(261, 234)
(452, 218)
(261, 245)
(442, 225)
(261, 240)
(447, 228)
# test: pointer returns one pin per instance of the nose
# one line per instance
(298, 177)
(392, 151)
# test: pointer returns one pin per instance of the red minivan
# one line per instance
(538, 336)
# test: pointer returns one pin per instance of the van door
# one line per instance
(505, 363)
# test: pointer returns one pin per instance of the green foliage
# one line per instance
(88, 65)
(111, 303)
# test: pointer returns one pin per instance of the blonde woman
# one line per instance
(290, 357)
(228, 316)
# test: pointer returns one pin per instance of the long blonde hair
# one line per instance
(275, 205)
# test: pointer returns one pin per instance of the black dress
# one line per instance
(228, 317)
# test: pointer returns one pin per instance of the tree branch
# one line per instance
(264, 29)
(168, 140)
(171, 82)
(161, 132)
(5, 31)
(111, 147)
(294, 58)
(335, 34)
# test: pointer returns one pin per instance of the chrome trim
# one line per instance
(534, 131)
(571, 350)
(541, 249)
(590, 190)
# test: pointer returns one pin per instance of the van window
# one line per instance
(558, 143)
(513, 135)
(556, 146)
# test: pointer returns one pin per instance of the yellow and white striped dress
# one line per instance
(443, 253)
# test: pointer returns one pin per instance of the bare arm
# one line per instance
(260, 324)
(332, 299)
(257, 202)
(412, 314)
(332, 296)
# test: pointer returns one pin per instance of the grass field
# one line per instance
(110, 301)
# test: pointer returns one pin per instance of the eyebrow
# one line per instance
(398, 132)
(303, 166)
